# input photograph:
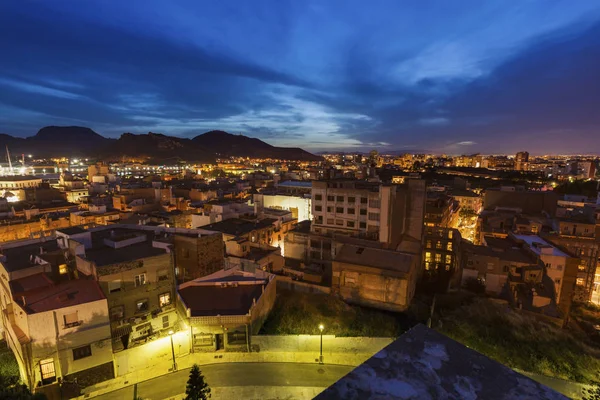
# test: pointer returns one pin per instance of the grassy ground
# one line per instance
(523, 342)
(8, 363)
(301, 313)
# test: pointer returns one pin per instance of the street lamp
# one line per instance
(321, 327)
(173, 350)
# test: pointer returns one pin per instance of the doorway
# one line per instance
(219, 339)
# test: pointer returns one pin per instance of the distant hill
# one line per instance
(79, 141)
(226, 144)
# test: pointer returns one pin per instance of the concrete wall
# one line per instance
(373, 287)
(198, 257)
(51, 339)
(129, 293)
(286, 283)
(309, 343)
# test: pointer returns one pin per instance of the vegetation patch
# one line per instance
(298, 313)
(520, 341)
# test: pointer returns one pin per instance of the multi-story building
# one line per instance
(578, 235)
(442, 252)
(522, 161)
(375, 277)
(136, 273)
(560, 266)
(368, 210)
(491, 265)
(54, 320)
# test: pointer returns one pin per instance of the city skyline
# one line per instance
(493, 79)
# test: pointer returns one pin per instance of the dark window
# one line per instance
(351, 199)
(162, 275)
(330, 198)
(363, 225)
(363, 200)
(340, 198)
(165, 321)
(350, 224)
(318, 208)
(117, 313)
(351, 211)
(363, 211)
(339, 210)
(329, 209)
(318, 197)
(236, 338)
(141, 305)
(82, 352)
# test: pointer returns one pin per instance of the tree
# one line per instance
(197, 388)
(11, 388)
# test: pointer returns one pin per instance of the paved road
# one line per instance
(237, 374)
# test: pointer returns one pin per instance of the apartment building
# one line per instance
(136, 273)
(54, 319)
(560, 266)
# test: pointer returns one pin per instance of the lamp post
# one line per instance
(321, 327)
(173, 351)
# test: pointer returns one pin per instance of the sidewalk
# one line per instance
(260, 393)
(186, 361)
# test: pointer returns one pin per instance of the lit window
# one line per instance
(438, 258)
(164, 299)
(580, 282)
(427, 256)
(62, 269)
(438, 245)
(428, 245)
(140, 280)
(450, 234)
(448, 259)
(449, 246)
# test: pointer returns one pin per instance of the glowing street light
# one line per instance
(173, 350)
(321, 327)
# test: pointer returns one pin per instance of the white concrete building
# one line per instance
(56, 325)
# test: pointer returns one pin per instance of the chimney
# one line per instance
(24, 300)
(41, 250)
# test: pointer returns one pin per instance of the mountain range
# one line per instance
(77, 141)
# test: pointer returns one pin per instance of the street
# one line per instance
(236, 374)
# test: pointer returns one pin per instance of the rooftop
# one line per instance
(375, 258)
(18, 178)
(536, 243)
(107, 255)
(424, 364)
(213, 300)
(237, 226)
(19, 257)
(73, 230)
(40, 298)
(296, 184)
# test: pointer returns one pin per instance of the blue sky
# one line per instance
(447, 76)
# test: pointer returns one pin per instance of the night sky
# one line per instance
(446, 76)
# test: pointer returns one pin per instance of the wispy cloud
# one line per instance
(39, 89)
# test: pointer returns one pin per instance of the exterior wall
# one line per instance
(299, 206)
(197, 257)
(347, 209)
(128, 295)
(31, 229)
(528, 202)
(374, 287)
(50, 338)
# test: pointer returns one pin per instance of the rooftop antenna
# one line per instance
(10, 167)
